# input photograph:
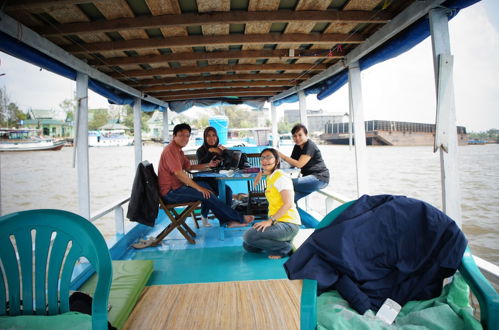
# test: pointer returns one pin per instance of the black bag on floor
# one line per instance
(258, 206)
(82, 303)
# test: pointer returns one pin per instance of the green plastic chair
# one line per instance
(38, 252)
(487, 296)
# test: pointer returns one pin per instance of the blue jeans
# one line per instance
(306, 185)
(275, 240)
(214, 187)
(223, 212)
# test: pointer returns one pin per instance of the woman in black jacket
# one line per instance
(211, 149)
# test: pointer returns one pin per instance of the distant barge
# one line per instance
(389, 133)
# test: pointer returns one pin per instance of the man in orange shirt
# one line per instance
(177, 187)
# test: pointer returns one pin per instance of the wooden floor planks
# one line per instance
(269, 304)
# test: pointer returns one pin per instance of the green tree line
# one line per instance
(490, 135)
(100, 117)
(10, 114)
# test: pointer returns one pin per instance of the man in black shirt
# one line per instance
(306, 156)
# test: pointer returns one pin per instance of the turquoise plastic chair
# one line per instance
(487, 296)
(36, 260)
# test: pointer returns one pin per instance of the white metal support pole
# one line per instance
(303, 108)
(446, 130)
(166, 128)
(137, 131)
(350, 119)
(356, 107)
(275, 135)
(82, 146)
(350, 131)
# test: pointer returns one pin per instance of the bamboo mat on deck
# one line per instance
(267, 304)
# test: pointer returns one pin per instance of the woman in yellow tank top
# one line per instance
(273, 236)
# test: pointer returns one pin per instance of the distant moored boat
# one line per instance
(116, 138)
(25, 139)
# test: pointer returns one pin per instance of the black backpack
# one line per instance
(82, 303)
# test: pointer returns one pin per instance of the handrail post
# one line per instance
(329, 204)
(166, 129)
(137, 130)
(356, 108)
(119, 220)
(81, 147)
(446, 131)
(275, 133)
(303, 108)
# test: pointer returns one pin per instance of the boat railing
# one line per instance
(331, 198)
(489, 270)
(334, 199)
(119, 215)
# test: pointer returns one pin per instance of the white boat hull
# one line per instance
(31, 146)
(93, 141)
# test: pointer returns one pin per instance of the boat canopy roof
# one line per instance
(184, 53)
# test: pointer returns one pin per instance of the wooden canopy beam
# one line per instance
(219, 68)
(218, 84)
(230, 77)
(245, 91)
(216, 40)
(231, 17)
(196, 96)
(224, 55)
(33, 4)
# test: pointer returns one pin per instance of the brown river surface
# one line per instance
(46, 179)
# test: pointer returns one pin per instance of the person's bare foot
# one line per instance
(249, 218)
(234, 224)
(275, 257)
(205, 221)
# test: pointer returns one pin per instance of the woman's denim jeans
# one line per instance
(275, 240)
(306, 185)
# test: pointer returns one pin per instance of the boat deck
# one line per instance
(214, 284)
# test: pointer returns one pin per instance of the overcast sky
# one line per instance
(399, 89)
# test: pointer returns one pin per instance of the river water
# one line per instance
(46, 179)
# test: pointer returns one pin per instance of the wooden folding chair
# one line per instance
(177, 220)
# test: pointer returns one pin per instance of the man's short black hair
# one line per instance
(298, 127)
(181, 127)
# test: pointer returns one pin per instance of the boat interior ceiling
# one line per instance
(218, 50)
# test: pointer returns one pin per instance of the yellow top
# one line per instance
(277, 182)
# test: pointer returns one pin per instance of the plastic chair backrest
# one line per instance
(38, 252)
(487, 296)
